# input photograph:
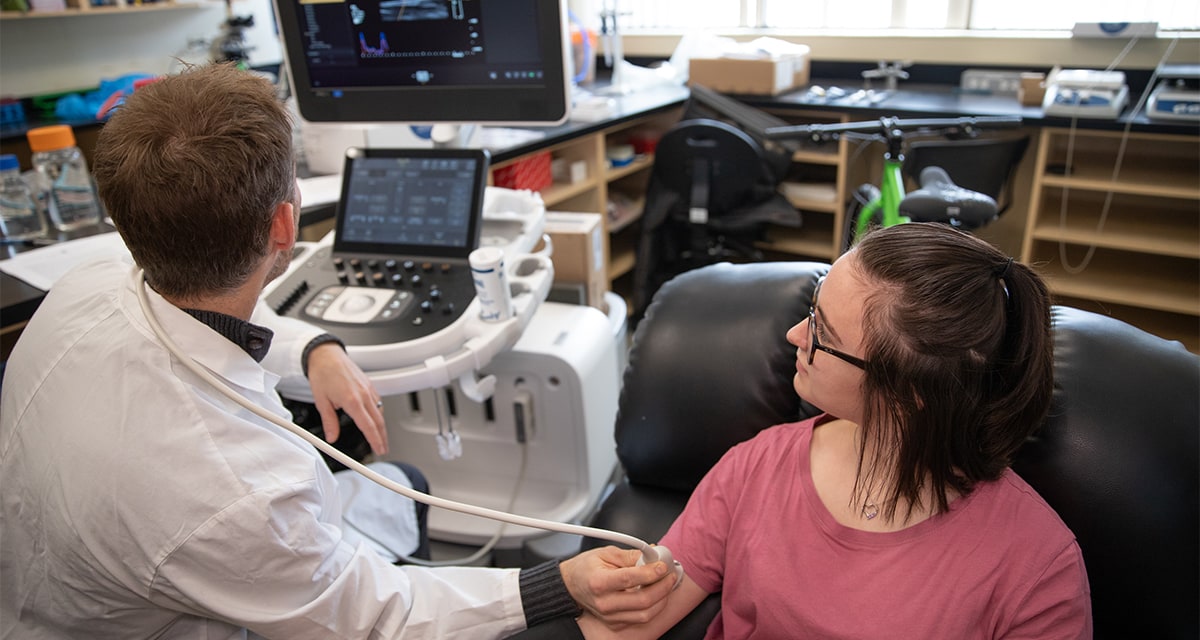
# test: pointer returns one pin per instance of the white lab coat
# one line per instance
(138, 502)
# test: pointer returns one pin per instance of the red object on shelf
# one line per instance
(532, 173)
(645, 143)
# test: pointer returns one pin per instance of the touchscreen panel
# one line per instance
(411, 202)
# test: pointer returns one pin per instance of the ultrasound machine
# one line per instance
(513, 414)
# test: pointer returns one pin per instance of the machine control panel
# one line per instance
(375, 299)
(397, 270)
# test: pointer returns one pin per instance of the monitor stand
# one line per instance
(453, 136)
(325, 143)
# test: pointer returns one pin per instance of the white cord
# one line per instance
(482, 512)
(495, 539)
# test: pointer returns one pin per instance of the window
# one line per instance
(682, 15)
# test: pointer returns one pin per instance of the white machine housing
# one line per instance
(556, 390)
(553, 368)
(1177, 96)
(1086, 93)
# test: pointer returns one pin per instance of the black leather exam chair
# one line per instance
(1117, 457)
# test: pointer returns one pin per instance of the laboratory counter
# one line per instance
(943, 100)
(659, 107)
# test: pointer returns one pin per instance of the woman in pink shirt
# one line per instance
(895, 513)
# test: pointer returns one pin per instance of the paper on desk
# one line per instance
(42, 267)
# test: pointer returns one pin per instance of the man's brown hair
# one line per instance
(191, 168)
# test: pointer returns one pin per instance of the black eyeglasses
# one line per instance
(814, 345)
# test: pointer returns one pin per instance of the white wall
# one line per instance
(73, 53)
(1011, 49)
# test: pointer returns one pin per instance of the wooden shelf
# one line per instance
(1149, 225)
(820, 237)
(1140, 164)
(639, 163)
(1134, 279)
(807, 204)
(622, 255)
(811, 240)
(1123, 211)
(1140, 181)
(831, 158)
(620, 224)
(78, 8)
(556, 194)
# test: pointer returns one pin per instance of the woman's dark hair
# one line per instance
(960, 361)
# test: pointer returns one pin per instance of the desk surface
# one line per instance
(18, 300)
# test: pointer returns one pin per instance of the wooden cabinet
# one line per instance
(1114, 225)
(588, 183)
(818, 185)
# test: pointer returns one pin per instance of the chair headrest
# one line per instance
(711, 349)
(1118, 460)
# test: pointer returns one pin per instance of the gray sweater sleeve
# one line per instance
(544, 595)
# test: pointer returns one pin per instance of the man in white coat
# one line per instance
(138, 502)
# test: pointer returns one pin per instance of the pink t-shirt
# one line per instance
(999, 564)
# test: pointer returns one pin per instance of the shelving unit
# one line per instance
(1120, 234)
(597, 189)
(83, 7)
(823, 167)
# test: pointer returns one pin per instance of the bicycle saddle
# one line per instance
(940, 200)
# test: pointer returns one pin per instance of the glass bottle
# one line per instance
(63, 177)
(20, 217)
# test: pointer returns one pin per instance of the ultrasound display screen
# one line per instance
(411, 202)
(426, 61)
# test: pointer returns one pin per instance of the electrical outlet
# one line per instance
(985, 81)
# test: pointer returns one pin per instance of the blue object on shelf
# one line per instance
(11, 113)
(87, 106)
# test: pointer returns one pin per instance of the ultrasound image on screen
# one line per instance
(414, 202)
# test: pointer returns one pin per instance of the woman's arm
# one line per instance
(679, 604)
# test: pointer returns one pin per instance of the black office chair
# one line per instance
(1118, 457)
(985, 165)
(711, 193)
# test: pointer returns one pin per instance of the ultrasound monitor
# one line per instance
(427, 61)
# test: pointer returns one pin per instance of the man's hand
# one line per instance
(338, 383)
(607, 584)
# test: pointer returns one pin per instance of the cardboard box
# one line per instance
(579, 253)
(751, 76)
